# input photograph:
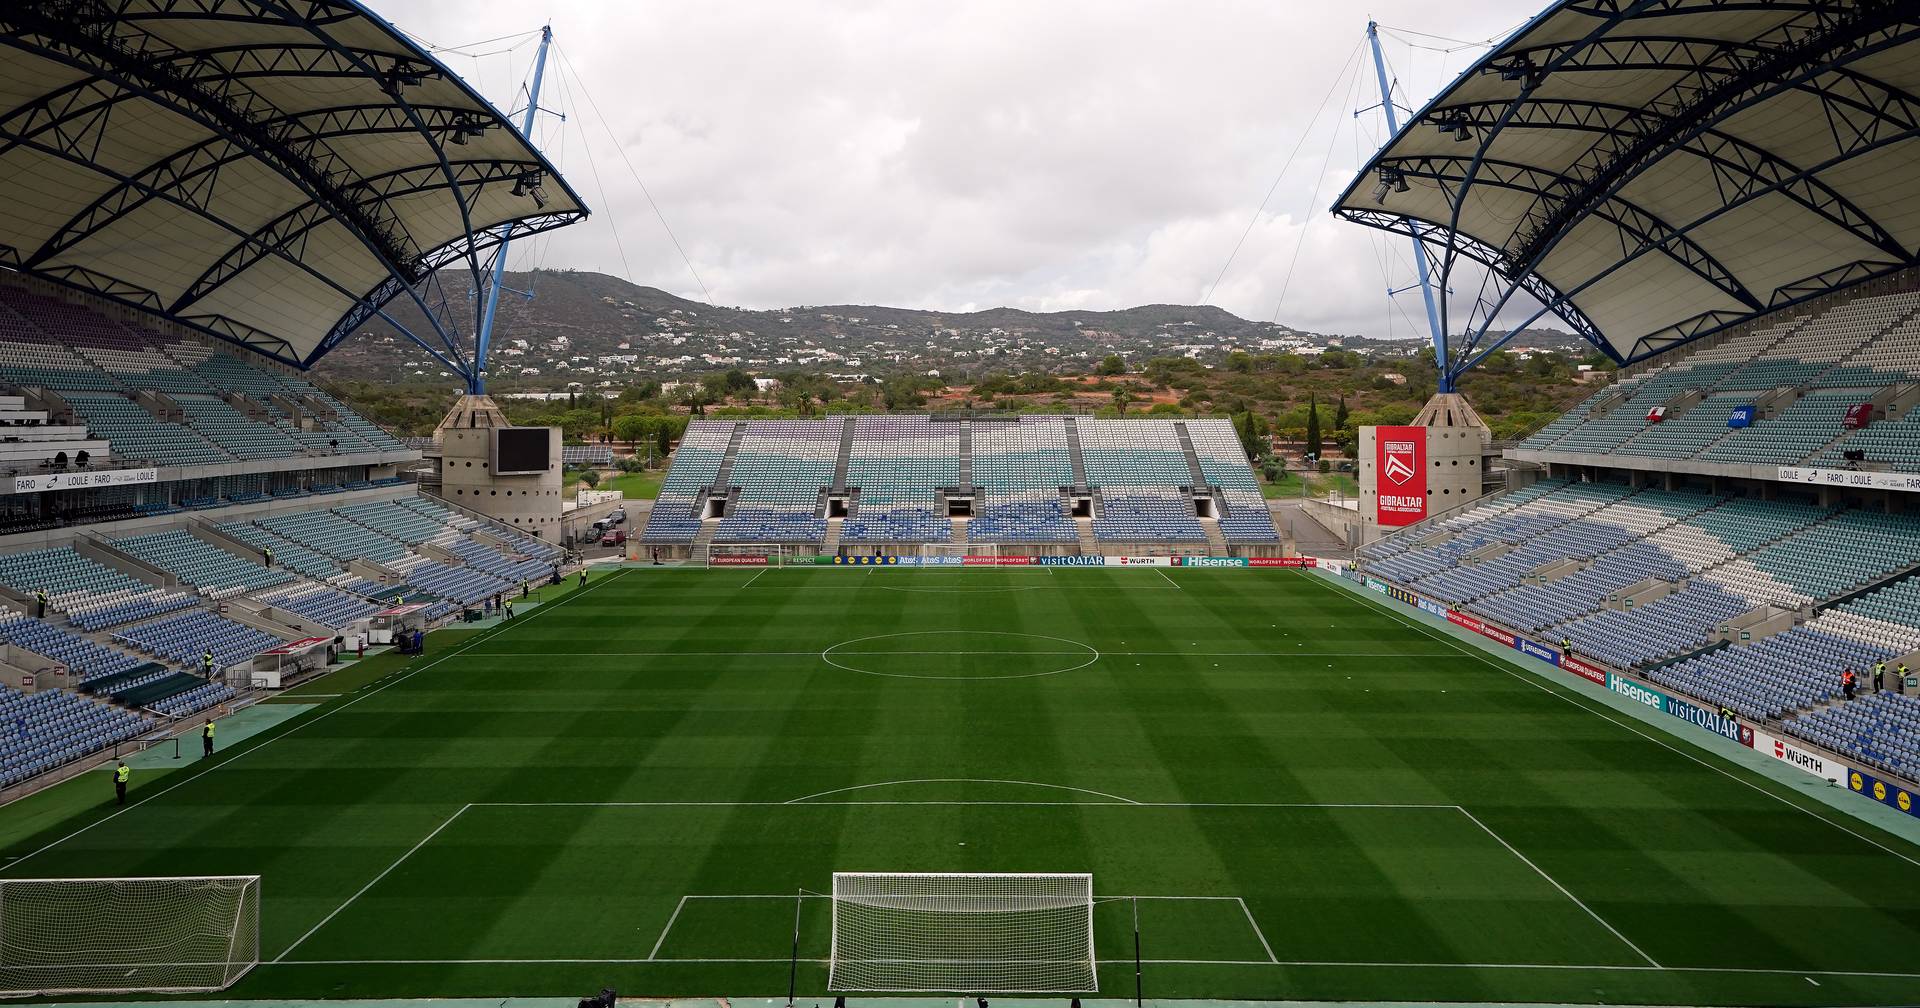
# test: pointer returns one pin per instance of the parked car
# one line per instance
(618, 516)
(614, 537)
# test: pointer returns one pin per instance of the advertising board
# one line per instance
(1479, 626)
(1209, 561)
(745, 560)
(1635, 692)
(1094, 560)
(1152, 561)
(1583, 670)
(1892, 795)
(1804, 760)
(1550, 655)
(1711, 720)
(1400, 464)
(83, 480)
(1293, 561)
(1858, 479)
(997, 561)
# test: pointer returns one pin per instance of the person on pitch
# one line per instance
(121, 773)
(206, 739)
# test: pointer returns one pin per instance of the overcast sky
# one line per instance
(1043, 154)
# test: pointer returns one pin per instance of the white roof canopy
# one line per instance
(1657, 170)
(270, 172)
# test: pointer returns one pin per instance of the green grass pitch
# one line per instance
(1314, 798)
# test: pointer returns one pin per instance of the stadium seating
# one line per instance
(337, 537)
(138, 434)
(181, 640)
(217, 573)
(696, 463)
(1810, 367)
(67, 577)
(900, 465)
(321, 604)
(1145, 472)
(1881, 730)
(1144, 514)
(1030, 516)
(84, 659)
(46, 730)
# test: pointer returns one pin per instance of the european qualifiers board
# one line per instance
(519, 451)
(1292, 791)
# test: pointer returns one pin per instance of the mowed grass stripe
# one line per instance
(1194, 707)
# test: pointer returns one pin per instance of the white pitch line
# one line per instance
(1042, 804)
(1164, 577)
(805, 654)
(1580, 702)
(371, 883)
(1301, 963)
(1257, 933)
(1577, 901)
(662, 940)
(960, 780)
(324, 714)
(755, 577)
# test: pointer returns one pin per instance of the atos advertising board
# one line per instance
(1401, 466)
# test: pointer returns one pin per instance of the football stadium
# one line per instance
(924, 707)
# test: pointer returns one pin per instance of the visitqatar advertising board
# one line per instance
(1400, 465)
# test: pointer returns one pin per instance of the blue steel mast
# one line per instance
(1440, 361)
(483, 338)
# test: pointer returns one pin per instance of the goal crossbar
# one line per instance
(741, 554)
(962, 933)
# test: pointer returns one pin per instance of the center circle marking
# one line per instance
(841, 657)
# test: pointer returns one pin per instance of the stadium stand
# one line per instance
(586, 455)
(1655, 515)
(1149, 481)
(217, 573)
(48, 730)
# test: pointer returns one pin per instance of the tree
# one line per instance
(590, 477)
(1111, 364)
(1120, 400)
(1340, 414)
(1314, 446)
(632, 428)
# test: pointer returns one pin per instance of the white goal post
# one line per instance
(966, 933)
(722, 554)
(123, 935)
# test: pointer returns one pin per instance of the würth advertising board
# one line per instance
(1401, 463)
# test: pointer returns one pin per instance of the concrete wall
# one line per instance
(530, 504)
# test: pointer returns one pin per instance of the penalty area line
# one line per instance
(324, 921)
(1577, 901)
(1296, 963)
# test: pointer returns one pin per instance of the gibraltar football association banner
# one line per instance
(1401, 464)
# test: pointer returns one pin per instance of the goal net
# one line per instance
(948, 553)
(115, 935)
(962, 933)
(741, 554)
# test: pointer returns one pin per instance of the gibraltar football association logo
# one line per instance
(1398, 469)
